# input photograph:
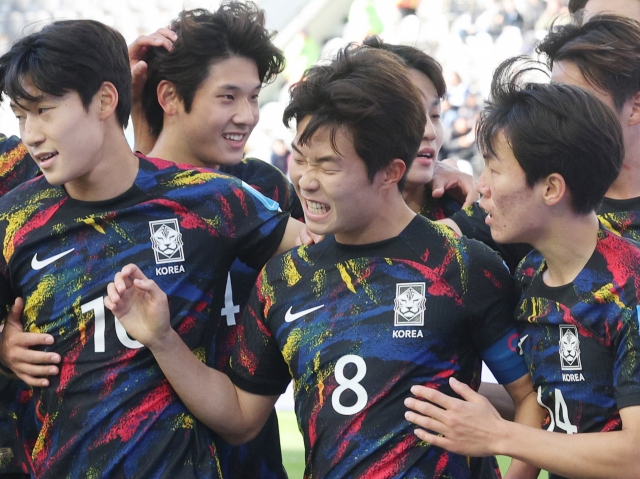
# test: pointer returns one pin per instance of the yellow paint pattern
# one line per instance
(42, 435)
(200, 353)
(183, 421)
(36, 300)
(290, 273)
(9, 159)
(192, 177)
(346, 278)
(608, 225)
(319, 281)
(19, 215)
(92, 222)
(606, 295)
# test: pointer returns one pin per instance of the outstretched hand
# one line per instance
(469, 427)
(140, 305)
(29, 365)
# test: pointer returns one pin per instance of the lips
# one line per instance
(426, 156)
(45, 159)
(233, 136)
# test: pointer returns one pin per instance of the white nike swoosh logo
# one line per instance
(289, 316)
(35, 264)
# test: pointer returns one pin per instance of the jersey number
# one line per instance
(97, 306)
(561, 416)
(353, 384)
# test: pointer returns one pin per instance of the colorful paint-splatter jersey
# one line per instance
(261, 457)
(16, 167)
(581, 340)
(111, 412)
(357, 326)
(438, 208)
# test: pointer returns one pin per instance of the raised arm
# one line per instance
(472, 426)
(163, 37)
(143, 309)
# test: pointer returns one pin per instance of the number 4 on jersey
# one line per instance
(561, 416)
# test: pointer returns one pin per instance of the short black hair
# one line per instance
(414, 58)
(368, 93)
(234, 30)
(553, 128)
(606, 50)
(66, 56)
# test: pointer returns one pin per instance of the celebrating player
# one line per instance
(578, 314)
(388, 301)
(111, 410)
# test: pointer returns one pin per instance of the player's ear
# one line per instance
(168, 97)
(634, 117)
(108, 96)
(554, 189)
(394, 172)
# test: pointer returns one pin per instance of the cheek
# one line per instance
(439, 136)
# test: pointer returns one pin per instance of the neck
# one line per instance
(627, 184)
(413, 194)
(115, 171)
(569, 243)
(389, 217)
(171, 146)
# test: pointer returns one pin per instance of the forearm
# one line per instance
(209, 394)
(529, 413)
(589, 455)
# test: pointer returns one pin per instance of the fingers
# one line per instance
(306, 237)
(163, 37)
(471, 198)
(464, 391)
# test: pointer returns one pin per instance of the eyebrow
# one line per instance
(237, 88)
(322, 159)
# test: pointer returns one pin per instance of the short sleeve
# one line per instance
(491, 296)
(257, 364)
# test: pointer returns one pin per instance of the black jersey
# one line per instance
(438, 208)
(111, 412)
(16, 167)
(581, 340)
(260, 458)
(357, 326)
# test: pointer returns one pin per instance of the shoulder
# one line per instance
(291, 266)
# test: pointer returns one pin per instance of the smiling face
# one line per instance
(514, 214)
(223, 114)
(421, 170)
(334, 188)
(61, 135)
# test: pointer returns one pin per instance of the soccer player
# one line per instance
(602, 56)
(426, 74)
(111, 411)
(388, 300)
(200, 102)
(578, 314)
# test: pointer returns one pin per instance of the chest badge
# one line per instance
(409, 304)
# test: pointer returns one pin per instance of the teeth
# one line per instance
(233, 137)
(317, 208)
(46, 157)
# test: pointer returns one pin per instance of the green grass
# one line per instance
(293, 448)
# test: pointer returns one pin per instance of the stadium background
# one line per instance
(468, 37)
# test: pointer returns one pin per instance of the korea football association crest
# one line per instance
(166, 241)
(409, 304)
(569, 348)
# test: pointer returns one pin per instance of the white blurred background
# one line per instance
(468, 37)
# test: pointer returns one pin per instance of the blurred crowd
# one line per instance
(468, 37)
